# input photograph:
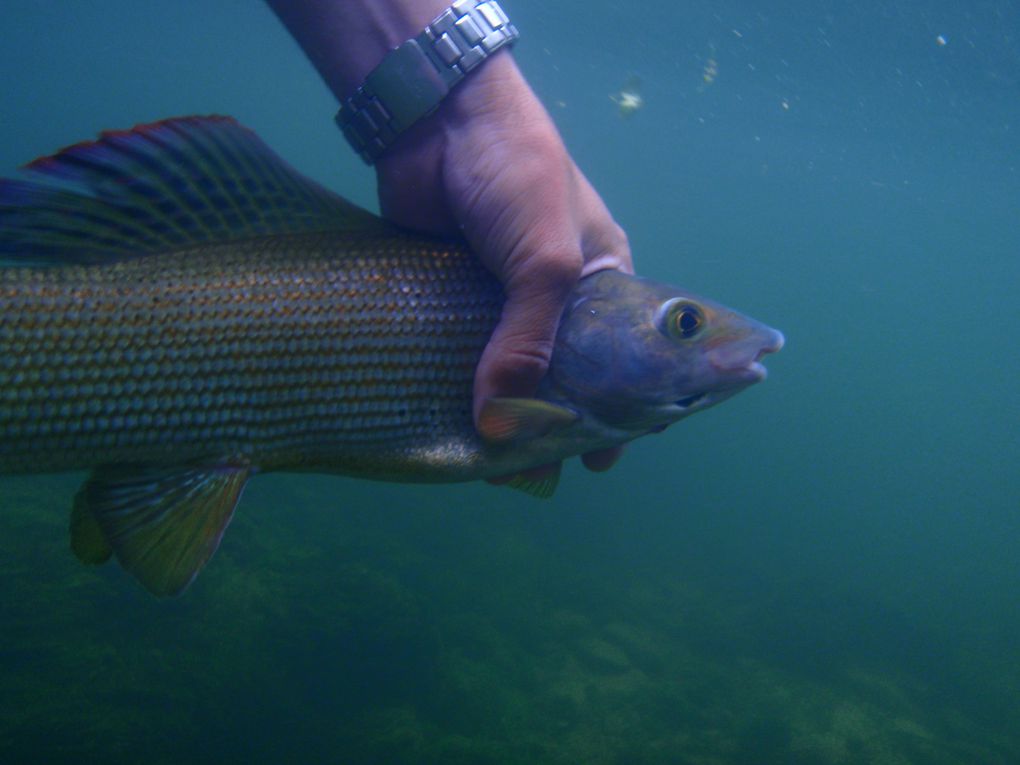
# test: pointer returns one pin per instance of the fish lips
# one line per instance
(732, 362)
(737, 372)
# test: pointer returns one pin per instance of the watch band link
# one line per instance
(413, 78)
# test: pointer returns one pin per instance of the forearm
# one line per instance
(346, 39)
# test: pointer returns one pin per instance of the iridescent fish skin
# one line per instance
(323, 351)
(184, 310)
(332, 352)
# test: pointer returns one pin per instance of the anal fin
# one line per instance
(538, 482)
(163, 524)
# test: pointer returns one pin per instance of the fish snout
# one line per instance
(741, 359)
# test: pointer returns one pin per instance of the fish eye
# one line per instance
(679, 318)
(687, 320)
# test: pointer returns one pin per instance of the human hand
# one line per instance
(490, 165)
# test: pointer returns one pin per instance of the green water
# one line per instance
(822, 570)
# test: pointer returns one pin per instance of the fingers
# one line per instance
(560, 234)
(518, 353)
(520, 349)
(604, 244)
(493, 169)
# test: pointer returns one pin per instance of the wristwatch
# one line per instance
(413, 78)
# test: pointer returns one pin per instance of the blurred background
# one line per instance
(823, 570)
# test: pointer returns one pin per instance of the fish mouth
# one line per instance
(775, 344)
(756, 370)
(677, 410)
(736, 377)
(727, 360)
(688, 401)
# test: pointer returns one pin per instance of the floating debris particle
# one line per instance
(628, 100)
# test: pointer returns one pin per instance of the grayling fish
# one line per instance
(181, 309)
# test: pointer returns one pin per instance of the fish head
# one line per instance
(640, 355)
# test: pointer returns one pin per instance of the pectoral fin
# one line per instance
(163, 524)
(542, 486)
(512, 419)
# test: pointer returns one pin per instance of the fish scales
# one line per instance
(286, 351)
(180, 309)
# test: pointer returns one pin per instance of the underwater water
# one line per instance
(822, 570)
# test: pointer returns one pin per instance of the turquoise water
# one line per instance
(823, 570)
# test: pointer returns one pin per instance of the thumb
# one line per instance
(518, 353)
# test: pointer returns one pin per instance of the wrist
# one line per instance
(480, 105)
(497, 85)
(416, 77)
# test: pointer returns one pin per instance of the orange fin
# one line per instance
(513, 419)
(163, 524)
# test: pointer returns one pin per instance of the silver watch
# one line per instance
(413, 78)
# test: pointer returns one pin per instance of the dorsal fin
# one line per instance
(161, 187)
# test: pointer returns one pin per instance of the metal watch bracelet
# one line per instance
(413, 78)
